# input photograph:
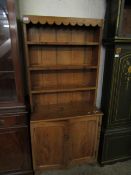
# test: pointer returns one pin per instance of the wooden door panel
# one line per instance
(48, 144)
(83, 139)
(14, 150)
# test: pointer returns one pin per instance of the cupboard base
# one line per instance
(65, 142)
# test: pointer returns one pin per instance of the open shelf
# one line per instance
(57, 55)
(62, 62)
(61, 67)
(64, 111)
(62, 81)
(63, 43)
(59, 90)
(63, 97)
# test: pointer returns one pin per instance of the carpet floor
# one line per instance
(120, 168)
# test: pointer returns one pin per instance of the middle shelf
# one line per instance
(77, 57)
(61, 89)
(62, 80)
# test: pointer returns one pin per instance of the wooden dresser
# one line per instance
(62, 56)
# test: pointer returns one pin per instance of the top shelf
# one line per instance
(63, 43)
(62, 67)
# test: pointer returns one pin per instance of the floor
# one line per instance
(121, 168)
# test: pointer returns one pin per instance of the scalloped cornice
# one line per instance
(62, 21)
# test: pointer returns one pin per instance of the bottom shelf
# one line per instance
(63, 111)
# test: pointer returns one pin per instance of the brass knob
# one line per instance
(118, 50)
(129, 69)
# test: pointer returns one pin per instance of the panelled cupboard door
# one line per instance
(14, 150)
(48, 144)
(84, 133)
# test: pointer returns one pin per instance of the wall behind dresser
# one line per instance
(69, 8)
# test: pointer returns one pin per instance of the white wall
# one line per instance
(73, 8)
(69, 8)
